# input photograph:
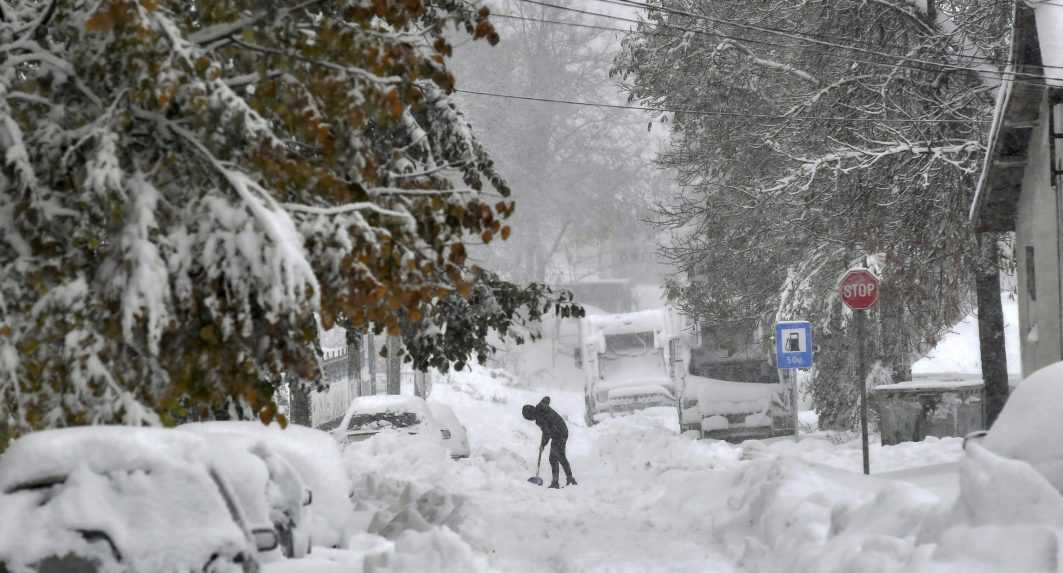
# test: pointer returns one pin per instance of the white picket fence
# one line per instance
(331, 403)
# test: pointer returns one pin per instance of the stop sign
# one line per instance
(859, 289)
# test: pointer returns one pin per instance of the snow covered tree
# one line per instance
(185, 183)
(813, 136)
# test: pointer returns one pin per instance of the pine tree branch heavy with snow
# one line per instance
(184, 184)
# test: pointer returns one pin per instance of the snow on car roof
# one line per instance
(55, 453)
(641, 321)
(319, 461)
(717, 397)
(139, 486)
(387, 403)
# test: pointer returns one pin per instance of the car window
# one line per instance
(383, 421)
(630, 344)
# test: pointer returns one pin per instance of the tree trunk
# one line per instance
(895, 353)
(991, 328)
(394, 365)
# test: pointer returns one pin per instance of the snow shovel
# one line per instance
(536, 479)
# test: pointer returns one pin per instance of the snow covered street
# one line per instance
(648, 500)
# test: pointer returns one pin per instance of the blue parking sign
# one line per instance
(793, 344)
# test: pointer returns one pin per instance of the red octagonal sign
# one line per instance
(859, 289)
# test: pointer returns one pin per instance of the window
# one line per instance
(1031, 275)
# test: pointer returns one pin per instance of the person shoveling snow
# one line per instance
(555, 431)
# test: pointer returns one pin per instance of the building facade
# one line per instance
(1021, 187)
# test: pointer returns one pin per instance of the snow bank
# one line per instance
(844, 452)
(789, 516)
(1007, 515)
(1030, 425)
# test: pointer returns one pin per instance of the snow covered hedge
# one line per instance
(184, 183)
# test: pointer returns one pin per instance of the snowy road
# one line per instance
(631, 511)
(648, 500)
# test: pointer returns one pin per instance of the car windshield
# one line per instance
(629, 344)
(378, 421)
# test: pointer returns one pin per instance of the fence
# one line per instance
(331, 402)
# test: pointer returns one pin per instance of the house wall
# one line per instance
(1038, 225)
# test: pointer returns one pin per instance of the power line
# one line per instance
(1001, 75)
(718, 113)
(825, 37)
(821, 39)
(901, 60)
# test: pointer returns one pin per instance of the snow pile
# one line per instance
(957, 350)
(824, 448)
(1030, 425)
(649, 443)
(437, 549)
(788, 514)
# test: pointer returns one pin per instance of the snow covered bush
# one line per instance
(184, 183)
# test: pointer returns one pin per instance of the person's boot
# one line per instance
(571, 481)
(554, 485)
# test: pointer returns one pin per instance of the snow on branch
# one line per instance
(766, 63)
(866, 157)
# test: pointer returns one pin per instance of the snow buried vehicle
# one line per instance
(630, 361)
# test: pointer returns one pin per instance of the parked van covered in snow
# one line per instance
(630, 361)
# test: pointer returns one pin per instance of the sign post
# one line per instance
(793, 349)
(859, 291)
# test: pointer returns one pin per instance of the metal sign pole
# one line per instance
(797, 406)
(862, 382)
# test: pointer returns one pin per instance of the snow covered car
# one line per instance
(269, 489)
(319, 461)
(121, 499)
(458, 442)
(734, 411)
(370, 415)
(630, 361)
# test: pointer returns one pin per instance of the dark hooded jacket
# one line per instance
(550, 422)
